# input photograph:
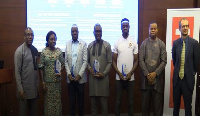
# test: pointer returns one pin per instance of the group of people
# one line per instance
(97, 58)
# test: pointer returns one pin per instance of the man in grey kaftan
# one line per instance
(26, 74)
(100, 51)
(152, 61)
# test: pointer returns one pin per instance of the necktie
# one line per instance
(181, 72)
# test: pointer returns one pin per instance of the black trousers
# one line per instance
(30, 104)
(148, 96)
(76, 91)
(94, 105)
(121, 86)
(182, 88)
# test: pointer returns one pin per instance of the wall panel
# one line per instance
(13, 23)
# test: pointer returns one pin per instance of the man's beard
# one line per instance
(153, 36)
(74, 39)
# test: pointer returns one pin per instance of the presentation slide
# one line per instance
(59, 16)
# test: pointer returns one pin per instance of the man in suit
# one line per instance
(152, 61)
(99, 64)
(27, 78)
(185, 54)
(75, 64)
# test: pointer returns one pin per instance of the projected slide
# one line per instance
(60, 15)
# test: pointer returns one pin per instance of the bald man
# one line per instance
(75, 64)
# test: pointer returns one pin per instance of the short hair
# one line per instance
(180, 22)
(74, 25)
(124, 20)
(26, 30)
(97, 24)
(152, 22)
(48, 35)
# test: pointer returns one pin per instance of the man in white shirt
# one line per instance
(125, 62)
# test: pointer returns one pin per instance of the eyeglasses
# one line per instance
(29, 35)
(98, 31)
(184, 26)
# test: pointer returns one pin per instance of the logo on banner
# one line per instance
(175, 35)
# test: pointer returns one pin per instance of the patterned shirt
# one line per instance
(47, 63)
(152, 56)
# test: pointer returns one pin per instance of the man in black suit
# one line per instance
(185, 54)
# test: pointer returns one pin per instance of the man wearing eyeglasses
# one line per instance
(26, 74)
(185, 55)
(99, 64)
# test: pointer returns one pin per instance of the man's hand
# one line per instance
(99, 75)
(150, 81)
(121, 76)
(44, 87)
(70, 77)
(58, 74)
(151, 77)
(22, 95)
(92, 72)
(77, 78)
(128, 76)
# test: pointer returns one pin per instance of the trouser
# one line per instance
(76, 90)
(182, 88)
(149, 95)
(120, 87)
(94, 106)
(31, 104)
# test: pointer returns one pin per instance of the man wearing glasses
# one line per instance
(185, 55)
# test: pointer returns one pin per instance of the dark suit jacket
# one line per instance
(191, 60)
